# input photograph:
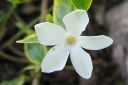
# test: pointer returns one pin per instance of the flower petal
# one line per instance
(95, 42)
(55, 59)
(76, 21)
(81, 60)
(49, 34)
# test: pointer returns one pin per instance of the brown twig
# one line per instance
(44, 7)
(36, 77)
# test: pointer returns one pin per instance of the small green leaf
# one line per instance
(35, 52)
(30, 39)
(17, 81)
(49, 18)
(82, 4)
(60, 9)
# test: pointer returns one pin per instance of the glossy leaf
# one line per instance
(82, 4)
(35, 52)
(17, 81)
(30, 39)
(60, 9)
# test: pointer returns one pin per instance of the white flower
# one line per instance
(69, 41)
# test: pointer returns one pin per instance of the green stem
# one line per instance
(14, 59)
(10, 41)
(6, 17)
(16, 51)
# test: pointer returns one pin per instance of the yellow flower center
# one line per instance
(70, 40)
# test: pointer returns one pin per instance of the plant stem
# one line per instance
(7, 17)
(11, 40)
(44, 7)
(16, 51)
(9, 57)
(36, 77)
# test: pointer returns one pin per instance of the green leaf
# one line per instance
(49, 18)
(82, 4)
(35, 52)
(17, 81)
(30, 39)
(60, 9)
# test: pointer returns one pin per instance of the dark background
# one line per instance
(110, 66)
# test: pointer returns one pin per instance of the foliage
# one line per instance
(29, 39)
(82, 4)
(17, 81)
(34, 51)
(61, 8)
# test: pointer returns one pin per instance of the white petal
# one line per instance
(81, 60)
(49, 34)
(76, 21)
(95, 42)
(55, 59)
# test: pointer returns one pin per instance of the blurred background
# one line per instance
(20, 63)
